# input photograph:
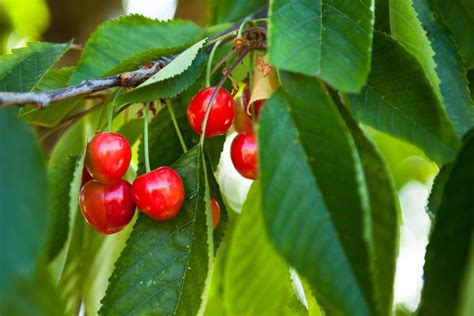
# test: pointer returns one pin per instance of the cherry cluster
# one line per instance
(222, 114)
(108, 202)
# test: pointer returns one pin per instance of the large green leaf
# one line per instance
(447, 254)
(55, 78)
(429, 40)
(327, 38)
(399, 100)
(59, 184)
(21, 70)
(122, 38)
(383, 230)
(167, 88)
(257, 280)
(34, 296)
(459, 14)
(164, 267)
(23, 202)
(231, 11)
(320, 205)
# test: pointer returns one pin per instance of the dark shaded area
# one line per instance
(78, 18)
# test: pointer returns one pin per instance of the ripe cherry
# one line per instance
(242, 122)
(221, 114)
(216, 212)
(159, 193)
(107, 207)
(107, 157)
(243, 152)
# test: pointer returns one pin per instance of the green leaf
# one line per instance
(143, 57)
(127, 36)
(167, 88)
(34, 296)
(383, 230)
(320, 205)
(326, 38)
(214, 191)
(436, 194)
(470, 76)
(430, 41)
(132, 130)
(21, 70)
(71, 143)
(59, 186)
(25, 286)
(400, 101)
(164, 267)
(23, 205)
(257, 280)
(447, 254)
(179, 64)
(100, 268)
(213, 148)
(459, 14)
(382, 16)
(55, 78)
(231, 11)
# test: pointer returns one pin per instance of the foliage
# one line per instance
(356, 89)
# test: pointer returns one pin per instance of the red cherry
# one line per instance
(107, 207)
(221, 115)
(159, 193)
(243, 153)
(107, 157)
(257, 107)
(216, 212)
(242, 122)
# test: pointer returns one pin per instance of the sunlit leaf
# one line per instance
(399, 100)
(124, 37)
(24, 67)
(325, 38)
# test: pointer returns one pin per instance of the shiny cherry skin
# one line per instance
(159, 193)
(216, 212)
(107, 157)
(221, 114)
(242, 122)
(107, 207)
(243, 152)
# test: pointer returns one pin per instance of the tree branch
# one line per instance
(126, 79)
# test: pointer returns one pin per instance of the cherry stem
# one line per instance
(110, 118)
(176, 127)
(145, 137)
(244, 53)
(241, 28)
(209, 63)
(252, 66)
(223, 60)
